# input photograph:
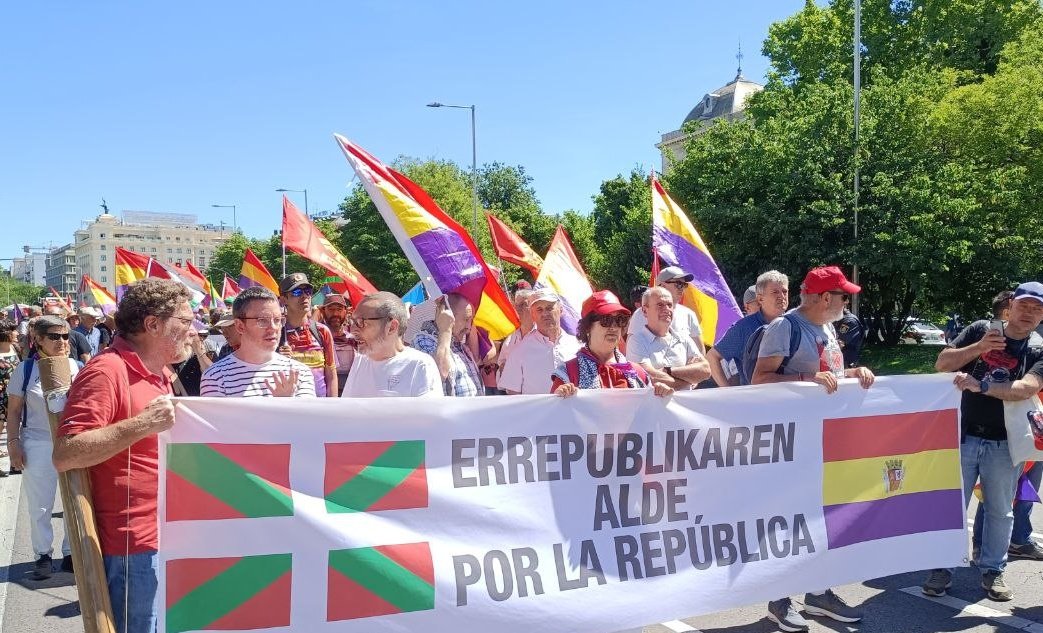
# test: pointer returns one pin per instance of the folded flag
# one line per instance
(254, 273)
(679, 244)
(563, 274)
(228, 481)
(228, 594)
(301, 236)
(891, 475)
(383, 580)
(130, 267)
(372, 476)
(441, 251)
(510, 247)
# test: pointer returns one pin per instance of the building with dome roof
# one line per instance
(727, 102)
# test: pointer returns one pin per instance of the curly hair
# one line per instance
(148, 297)
(584, 326)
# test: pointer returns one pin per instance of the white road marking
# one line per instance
(10, 492)
(1035, 535)
(977, 610)
(680, 627)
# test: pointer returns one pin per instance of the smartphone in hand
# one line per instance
(997, 325)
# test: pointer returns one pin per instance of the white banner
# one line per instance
(608, 510)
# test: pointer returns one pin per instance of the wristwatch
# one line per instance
(669, 371)
(984, 386)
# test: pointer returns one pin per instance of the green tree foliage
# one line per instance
(16, 291)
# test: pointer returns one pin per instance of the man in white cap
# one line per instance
(532, 361)
(97, 337)
(684, 323)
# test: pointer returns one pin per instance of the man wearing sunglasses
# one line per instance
(307, 341)
(685, 322)
(816, 358)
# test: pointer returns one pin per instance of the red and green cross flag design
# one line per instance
(250, 483)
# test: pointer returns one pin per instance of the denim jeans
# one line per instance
(1022, 531)
(989, 461)
(133, 602)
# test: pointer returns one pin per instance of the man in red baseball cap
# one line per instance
(802, 345)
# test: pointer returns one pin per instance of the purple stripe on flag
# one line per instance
(913, 513)
(245, 282)
(677, 251)
(450, 261)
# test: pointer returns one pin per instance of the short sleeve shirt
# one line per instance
(409, 373)
(232, 377)
(463, 380)
(818, 349)
(532, 361)
(733, 344)
(114, 386)
(981, 415)
(314, 354)
(672, 350)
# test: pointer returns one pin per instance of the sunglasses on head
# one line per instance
(613, 320)
(306, 291)
(52, 336)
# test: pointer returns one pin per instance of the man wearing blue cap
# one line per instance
(993, 364)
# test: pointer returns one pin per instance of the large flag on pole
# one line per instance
(563, 274)
(441, 251)
(510, 247)
(199, 278)
(301, 236)
(174, 273)
(130, 267)
(679, 244)
(254, 273)
(94, 294)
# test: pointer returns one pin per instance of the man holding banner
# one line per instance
(532, 361)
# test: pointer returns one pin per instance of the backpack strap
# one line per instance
(794, 341)
(572, 369)
(29, 362)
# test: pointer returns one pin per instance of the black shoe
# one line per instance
(42, 570)
(67, 564)
(14, 471)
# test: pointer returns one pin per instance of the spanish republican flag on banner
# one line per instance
(301, 236)
(891, 475)
(130, 267)
(254, 273)
(510, 247)
(441, 251)
(679, 244)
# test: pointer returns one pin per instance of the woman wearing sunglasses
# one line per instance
(29, 438)
(599, 363)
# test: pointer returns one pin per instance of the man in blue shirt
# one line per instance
(726, 356)
(97, 337)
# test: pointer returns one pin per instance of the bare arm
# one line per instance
(694, 372)
(717, 370)
(764, 372)
(952, 358)
(14, 421)
(97, 445)
(84, 358)
(332, 386)
(658, 375)
(1022, 389)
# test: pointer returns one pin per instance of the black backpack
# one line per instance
(753, 348)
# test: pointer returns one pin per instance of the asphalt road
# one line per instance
(892, 605)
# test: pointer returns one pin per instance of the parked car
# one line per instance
(918, 332)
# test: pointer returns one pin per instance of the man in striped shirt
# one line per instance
(254, 369)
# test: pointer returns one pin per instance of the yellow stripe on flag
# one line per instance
(866, 479)
(414, 218)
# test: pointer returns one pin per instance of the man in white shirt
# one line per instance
(521, 306)
(254, 369)
(383, 366)
(532, 361)
(685, 322)
(666, 355)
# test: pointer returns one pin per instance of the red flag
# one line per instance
(300, 235)
(510, 247)
(230, 290)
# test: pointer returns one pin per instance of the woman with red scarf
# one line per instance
(600, 364)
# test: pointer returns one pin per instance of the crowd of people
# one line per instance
(127, 365)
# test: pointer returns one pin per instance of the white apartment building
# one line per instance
(62, 273)
(172, 238)
(32, 268)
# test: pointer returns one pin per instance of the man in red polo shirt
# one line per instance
(115, 408)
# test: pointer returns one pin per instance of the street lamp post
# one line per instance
(235, 225)
(304, 191)
(474, 160)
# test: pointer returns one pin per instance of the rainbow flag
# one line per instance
(891, 475)
(130, 267)
(254, 273)
(562, 273)
(440, 250)
(94, 294)
(679, 244)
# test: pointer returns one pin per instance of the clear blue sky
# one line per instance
(177, 106)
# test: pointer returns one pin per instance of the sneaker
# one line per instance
(42, 570)
(1030, 550)
(937, 582)
(831, 605)
(14, 471)
(783, 613)
(67, 564)
(995, 587)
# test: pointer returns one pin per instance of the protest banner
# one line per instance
(608, 510)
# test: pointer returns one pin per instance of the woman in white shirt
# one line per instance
(29, 438)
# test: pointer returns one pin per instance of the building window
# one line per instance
(103, 247)
(101, 235)
(103, 258)
(169, 251)
(104, 279)
(103, 269)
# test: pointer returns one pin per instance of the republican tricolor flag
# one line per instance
(94, 294)
(679, 244)
(254, 273)
(441, 251)
(130, 267)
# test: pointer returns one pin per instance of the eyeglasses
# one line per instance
(840, 293)
(306, 291)
(52, 336)
(265, 321)
(614, 320)
(360, 322)
(185, 320)
(680, 283)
